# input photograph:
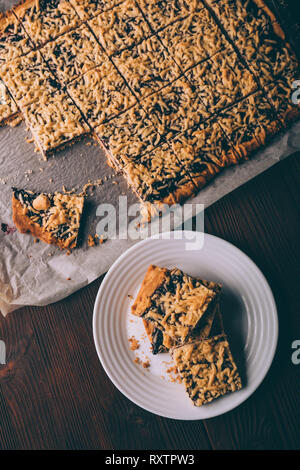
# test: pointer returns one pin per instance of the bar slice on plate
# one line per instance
(175, 303)
(207, 369)
(53, 218)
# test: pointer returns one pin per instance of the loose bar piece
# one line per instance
(14, 42)
(193, 39)
(128, 136)
(88, 8)
(8, 108)
(161, 342)
(175, 108)
(158, 177)
(250, 124)
(45, 20)
(120, 28)
(101, 94)
(147, 67)
(73, 54)
(164, 12)
(207, 369)
(53, 218)
(28, 78)
(222, 80)
(173, 301)
(54, 121)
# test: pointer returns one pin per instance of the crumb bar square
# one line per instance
(161, 342)
(221, 80)
(8, 108)
(267, 54)
(73, 54)
(249, 124)
(240, 17)
(45, 20)
(203, 151)
(193, 39)
(54, 121)
(53, 218)
(173, 301)
(28, 78)
(128, 136)
(175, 108)
(120, 28)
(147, 67)
(158, 177)
(207, 369)
(101, 94)
(88, 8)
(14, 42)
(160, 13)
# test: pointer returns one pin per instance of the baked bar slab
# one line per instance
(45, 20)
(193, 39)
(120, 28)
(28, 78)
(53, 218)
(207, 369)
(147, 67)
(173, 301)
(88, 8)
(73, 54)
(54, 121)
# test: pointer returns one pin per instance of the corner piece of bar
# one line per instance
(53, 218)
(207, 369)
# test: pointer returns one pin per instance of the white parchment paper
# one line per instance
(38, 274)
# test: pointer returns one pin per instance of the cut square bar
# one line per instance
(101, 94)
(173, 301)
(158, 177)
(175, 108)
(128, 136)
(207, 369)
(53, 218)
(193, 39)
(120, 28)
(28, 78)
(45, 20)
(54, 121)
(280, 96)
(73, 54)
(249, 124)
(221, 80)
(14, 42)
(147, 67)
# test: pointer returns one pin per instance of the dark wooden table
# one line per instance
(54, 393)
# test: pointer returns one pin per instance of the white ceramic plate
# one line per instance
(249, 313)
